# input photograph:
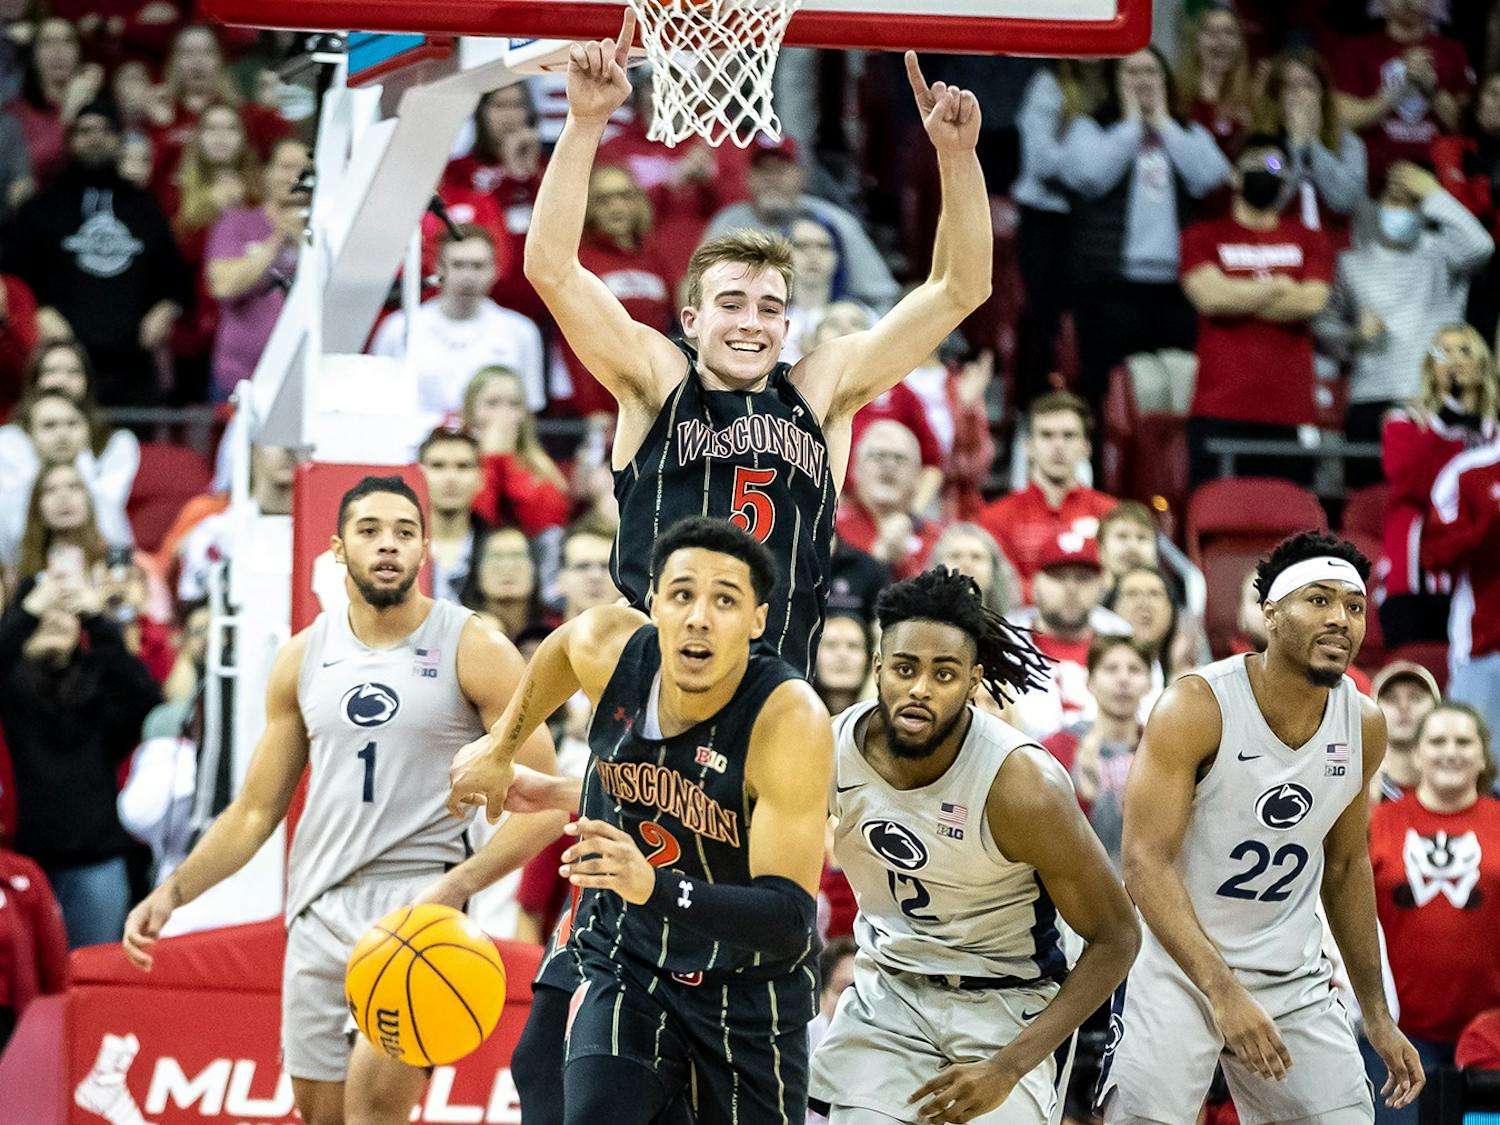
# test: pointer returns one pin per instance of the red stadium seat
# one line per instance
(1231, 524)
(169, 476)
(1364, 511)
(1144, 452)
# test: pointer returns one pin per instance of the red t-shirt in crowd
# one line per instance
(639, 279)
(1249, 369)
(856, 526)
(1365, 66)
(1023, 523)
(33, 942)
(1437, 894)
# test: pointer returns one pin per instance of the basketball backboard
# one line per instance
(996, 27)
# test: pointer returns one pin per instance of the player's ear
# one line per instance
(761, 612)
(689, 318)
(976, 679)
(336, 547)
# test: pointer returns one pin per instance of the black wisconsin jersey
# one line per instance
(755, 458)
(684, 801)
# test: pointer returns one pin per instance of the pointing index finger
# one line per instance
(627, 36)
(914, 76)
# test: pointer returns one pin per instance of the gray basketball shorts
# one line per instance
(1164, 1046)
(893, 1033)
(317, 1031)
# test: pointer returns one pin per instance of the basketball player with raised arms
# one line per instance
(718, 426)
(700, 842)
(1245, 804)
(963, 842)
(376, 701)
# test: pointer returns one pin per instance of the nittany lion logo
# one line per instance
(895, 844)
(1283, 807)
(370, 705)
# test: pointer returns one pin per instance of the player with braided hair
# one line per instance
(963, 842)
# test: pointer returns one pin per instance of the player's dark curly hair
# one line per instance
(1306, 545)
(1011, 662)
(368, 486)
(720, 536)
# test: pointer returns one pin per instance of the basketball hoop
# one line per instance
(712, 62)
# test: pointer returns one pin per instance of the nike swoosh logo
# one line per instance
(1029, 1016)
(846, 788)
(331, 663)
(1242, 756)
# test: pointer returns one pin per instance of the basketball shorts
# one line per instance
(737, 1047)
(893, 1032)
(1164, 1046)
(317, 1032)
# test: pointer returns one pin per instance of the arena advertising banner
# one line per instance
(147, 1051)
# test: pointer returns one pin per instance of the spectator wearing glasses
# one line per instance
(1455, 411)
(820, 282)
(503, 587)
(1257, 279)
(1436, 858)
(877, 514)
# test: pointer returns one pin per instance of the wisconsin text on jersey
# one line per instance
(647, 783)
(754, 433)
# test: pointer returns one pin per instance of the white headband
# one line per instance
(1322, 569)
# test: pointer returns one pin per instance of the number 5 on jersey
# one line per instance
(753, 511)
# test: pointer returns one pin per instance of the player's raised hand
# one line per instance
(478, 777)
(964, 1091)
(609, 858)
(1251, 1034)
(949, 114)
(1404, 1078)
(143, 925)
(597, 85)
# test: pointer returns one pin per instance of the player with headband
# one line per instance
(1245, 803)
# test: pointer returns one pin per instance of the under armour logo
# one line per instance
(685, 899)
(623, 716)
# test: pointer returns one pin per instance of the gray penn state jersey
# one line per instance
(1252, 858)
(936, 895)
(383, 726)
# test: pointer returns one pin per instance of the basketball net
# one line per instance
(712, 62)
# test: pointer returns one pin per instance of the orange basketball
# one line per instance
(425, 985)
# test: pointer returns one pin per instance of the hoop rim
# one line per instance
(1128, 31)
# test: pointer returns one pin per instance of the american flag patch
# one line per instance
(1337, 753)
(426, 663)
(955, 816)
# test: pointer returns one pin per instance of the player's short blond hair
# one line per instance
(753, 248)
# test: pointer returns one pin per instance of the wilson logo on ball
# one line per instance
(370, 705)
(896, 844)
(1282, 807)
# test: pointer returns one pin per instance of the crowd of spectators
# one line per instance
(1293, 207)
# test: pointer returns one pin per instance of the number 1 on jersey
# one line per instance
(753, 511)
(367, 756)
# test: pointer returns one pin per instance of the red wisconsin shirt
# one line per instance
(1365, 66)
(1253, 370)
(33, 943)
(1437, 894)
(856, 526)
(639, 280)
(1023, 523)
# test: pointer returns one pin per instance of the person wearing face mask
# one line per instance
(1257, 279)
(1455, 411)
(100, 257)
(1408, 273)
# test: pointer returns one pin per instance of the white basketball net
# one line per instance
(712, 63)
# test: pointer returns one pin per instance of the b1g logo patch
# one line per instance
(370, 705)
(1283, 807)
(895, 843)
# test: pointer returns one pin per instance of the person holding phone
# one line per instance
(70, 712)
